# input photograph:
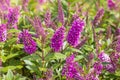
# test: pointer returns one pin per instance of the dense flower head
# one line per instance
(114, 57)
(30, 45)
(98, 17)
(111, 4)
(103, 57)
(57, 39)
(13, 15)
(75, 32)
(114, 61)
(110, 68)
(98, 67)
(70, 69)
(3, 33)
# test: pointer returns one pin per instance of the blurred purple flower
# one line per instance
(98, 67)
(103, 57)
(110, 68)
(111, 4)
(41, 1)
(75, 32)
(114, 61)
(57, 39)
(98, 17)
(13, 16)
(91, 77)
(117, 31)
(30, 45)
(4, 4)
(25, 4)
(48, 18)
(60, 13)
(39, 28)
(3, 33)
(70, 69)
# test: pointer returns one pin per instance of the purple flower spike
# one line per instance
(30, 45)
(60, 13)
(110, 68)
(3, 33)
(98, 68)
(57, 39)
(75, 31)
(103, 57)
(48, 18)
(13, 15)
(111, 4)
(98, 17)
(70, 69)
(39, 28)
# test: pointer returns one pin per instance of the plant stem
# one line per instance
(95, 39)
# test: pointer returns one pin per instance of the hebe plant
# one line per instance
(59, 40)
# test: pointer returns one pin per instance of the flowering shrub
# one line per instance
(59, 39)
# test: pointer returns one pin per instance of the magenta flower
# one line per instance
(98, 67)
(110, 68)
(13, 16)
(98, 17)
(70, 69)
(111, 4)
(75, 32)
(103, 57)
(57, 39)
(30, 45)
(3, 33)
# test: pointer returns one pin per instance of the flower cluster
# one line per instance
(70, 69)
(110, 63)
(111, 4)
(13, 16)
(3, 33)
(98, 67)
(57, 39)
(30, 45)
(98, 17)
(75, 32)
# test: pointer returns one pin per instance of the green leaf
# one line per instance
(14, 31)
(59, 56)
(79, 57)
(9, 75)
(5, 69)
